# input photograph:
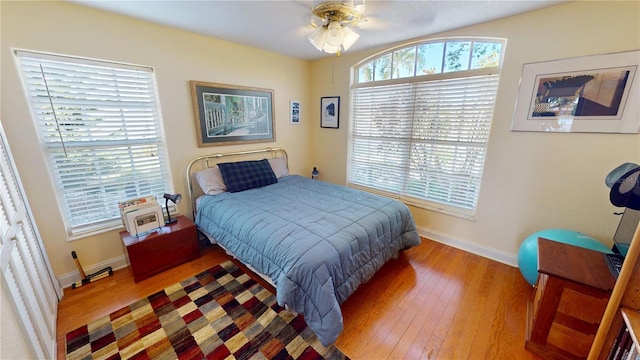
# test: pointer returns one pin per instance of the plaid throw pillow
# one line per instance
(245, 175)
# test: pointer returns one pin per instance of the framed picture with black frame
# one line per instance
(294, 112)
(594, 93)
(330, 112)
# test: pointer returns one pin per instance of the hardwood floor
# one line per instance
(433, 302)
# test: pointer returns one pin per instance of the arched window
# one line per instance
(420, 121)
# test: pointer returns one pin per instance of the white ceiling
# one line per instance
(282, 26)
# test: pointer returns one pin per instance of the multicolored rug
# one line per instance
(221, 313)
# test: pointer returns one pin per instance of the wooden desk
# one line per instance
(573, 288)
(160, 250)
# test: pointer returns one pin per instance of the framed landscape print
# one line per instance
(229, 114)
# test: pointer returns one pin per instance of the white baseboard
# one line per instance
(116, 263)
(500, 256)
(487, 252)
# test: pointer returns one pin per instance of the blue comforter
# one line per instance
(316, 241)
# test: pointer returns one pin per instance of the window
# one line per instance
(420, 122)
(100, 125)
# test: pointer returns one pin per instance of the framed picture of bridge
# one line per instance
(230, 114)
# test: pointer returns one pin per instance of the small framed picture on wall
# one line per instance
(330, 112)
(294, 112)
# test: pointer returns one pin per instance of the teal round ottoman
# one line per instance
(528, 252)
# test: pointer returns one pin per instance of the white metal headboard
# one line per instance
(208, 161)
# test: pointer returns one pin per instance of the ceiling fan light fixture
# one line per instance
(318, 38)
(331, 49)
(349, 37)
(335, 33)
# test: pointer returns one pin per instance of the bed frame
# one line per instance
(208, 161)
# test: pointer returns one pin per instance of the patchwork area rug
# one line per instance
(221, 313)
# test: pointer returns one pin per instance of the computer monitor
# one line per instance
(626, 229)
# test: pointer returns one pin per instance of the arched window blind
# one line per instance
(420, 122)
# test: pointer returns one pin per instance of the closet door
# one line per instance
(25, 269)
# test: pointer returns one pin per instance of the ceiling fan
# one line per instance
(333, 20)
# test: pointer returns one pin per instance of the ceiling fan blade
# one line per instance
(395, 13)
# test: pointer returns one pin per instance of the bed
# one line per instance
(316, 242)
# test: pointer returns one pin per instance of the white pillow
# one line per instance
(279, 166)
(210, 181)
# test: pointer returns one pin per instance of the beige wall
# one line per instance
(177, 57)
(532, 181)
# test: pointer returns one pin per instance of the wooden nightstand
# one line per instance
(572, 292)
(162, 249)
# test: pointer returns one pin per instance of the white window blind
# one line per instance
(423, 141)
(100, 124)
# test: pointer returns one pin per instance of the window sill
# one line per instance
(100, 228)
(422, 204)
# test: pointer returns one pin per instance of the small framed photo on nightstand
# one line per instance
(145, 220)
